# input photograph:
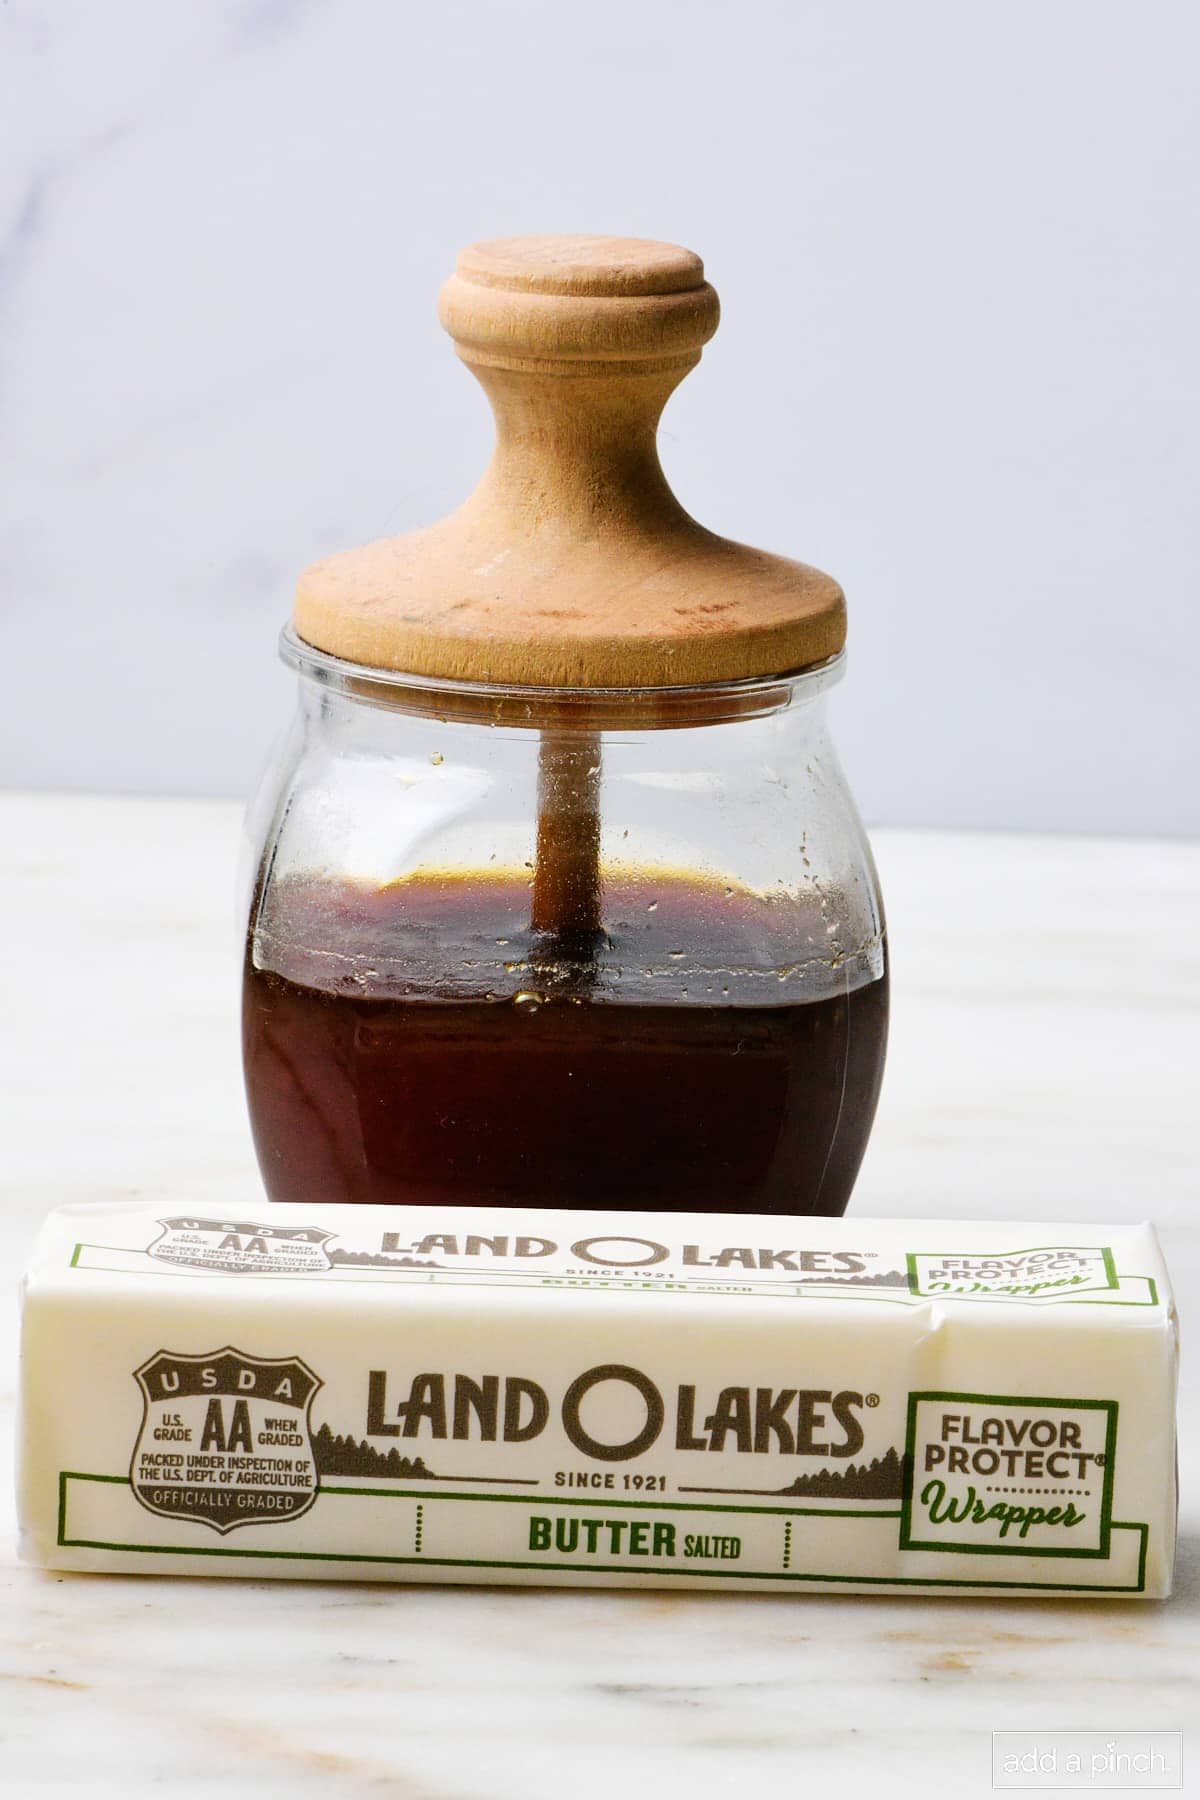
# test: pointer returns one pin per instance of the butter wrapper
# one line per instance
(617, 1399)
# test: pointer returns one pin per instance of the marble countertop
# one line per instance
(1044, 1062)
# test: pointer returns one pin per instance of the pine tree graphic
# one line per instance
(890, 1278)
(371, 1260)
(880, 1479)
(340, 1454)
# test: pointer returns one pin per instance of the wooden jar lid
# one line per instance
(572, 564)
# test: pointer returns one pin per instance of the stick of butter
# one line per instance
(622, 1399)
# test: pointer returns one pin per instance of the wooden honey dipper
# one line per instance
(573, 565)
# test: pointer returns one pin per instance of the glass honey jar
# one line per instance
(562, 898)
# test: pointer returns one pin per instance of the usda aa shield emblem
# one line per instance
(242, 1246)
(226, 1438)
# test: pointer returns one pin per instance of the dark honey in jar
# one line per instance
(464, 1067)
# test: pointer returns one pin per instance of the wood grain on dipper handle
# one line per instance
(566, 879)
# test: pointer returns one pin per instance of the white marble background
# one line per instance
(959, 365)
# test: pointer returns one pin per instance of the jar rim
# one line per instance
(701, 703)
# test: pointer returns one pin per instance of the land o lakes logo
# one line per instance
(226, 1438)
(243, 1246)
